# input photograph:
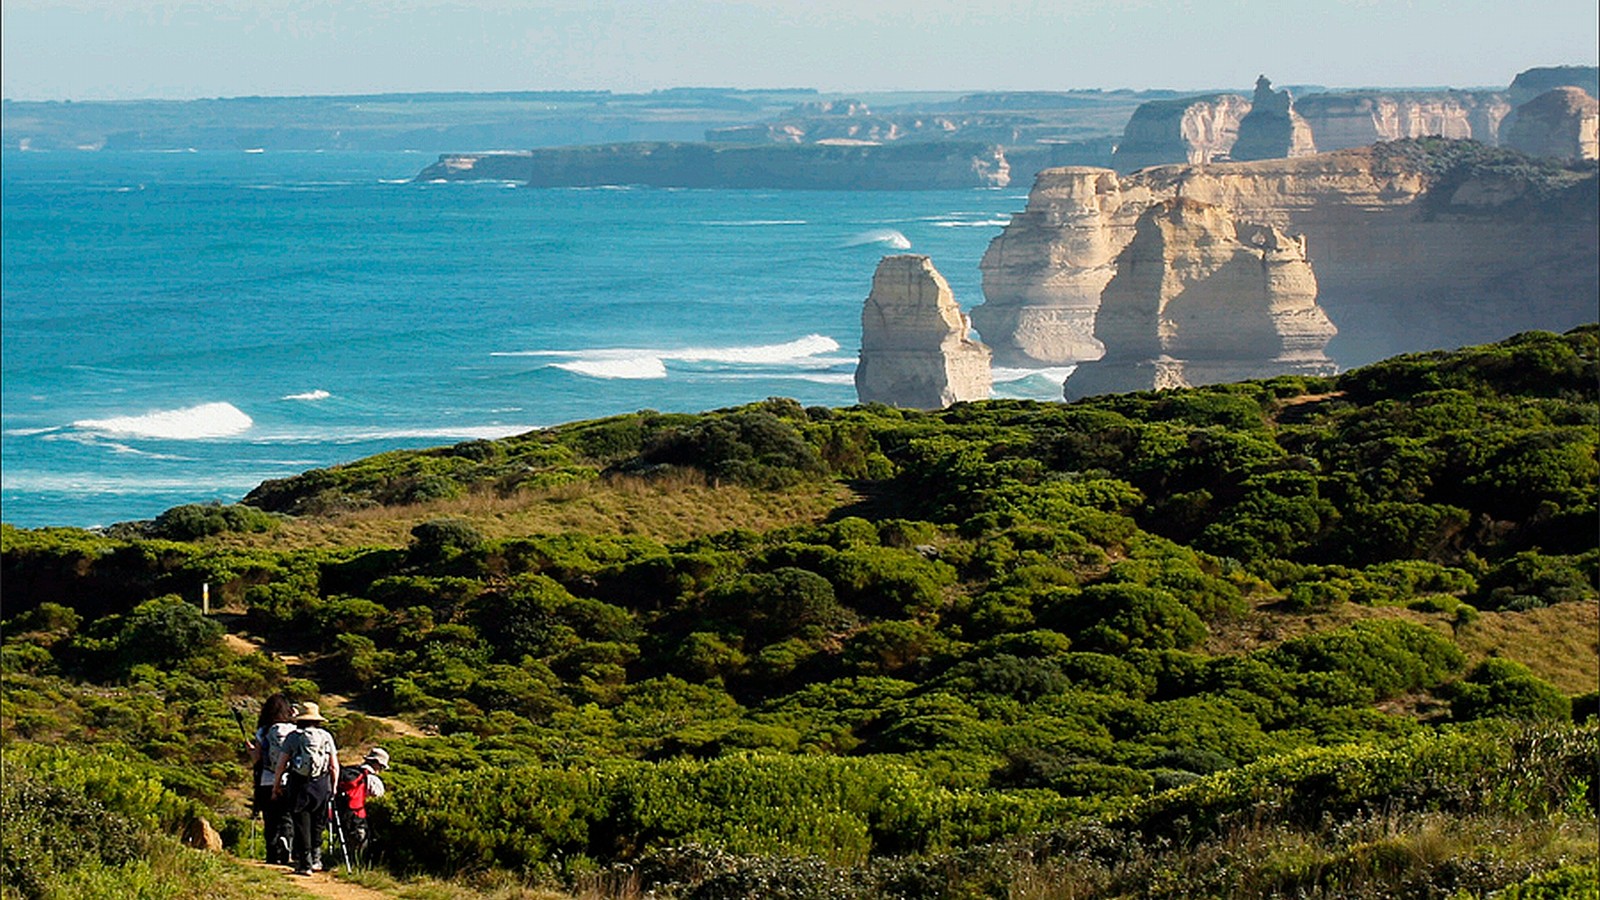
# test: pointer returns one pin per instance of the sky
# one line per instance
(134, 49)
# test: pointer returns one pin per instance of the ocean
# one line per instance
(178, 327)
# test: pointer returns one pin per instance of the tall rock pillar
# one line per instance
(1201, 299)
(1272, 129)
(1043, 275)
(914, 346)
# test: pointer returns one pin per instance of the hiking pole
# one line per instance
(338, 829)
(243, 732)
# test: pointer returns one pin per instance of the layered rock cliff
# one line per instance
(1416, 244)
(1358, 118)
(914, 346)
(1272, 128)
(1563, 123)
(1193, 130)
(1043, 275)
(1199, 298)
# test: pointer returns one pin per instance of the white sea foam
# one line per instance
(984, 223)
(208, 420)
(1003, 375)
(886, 236)
(626, 367)
(364, 435)
(394, 180)
(99, 483)
(318, 394)
(615, 362)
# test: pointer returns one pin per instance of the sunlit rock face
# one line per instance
(1200, 298)
(1360, 118)
(1043, 275)
(1191, 130)
(914, 346)
(1563, 123)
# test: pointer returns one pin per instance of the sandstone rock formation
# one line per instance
(1272, 129)
(1563, 123)
(914, 346)
(1200, 298)
(1404, 260)
(1359, 118)
(1043, 275)
(1193, 130)
(1533, 82)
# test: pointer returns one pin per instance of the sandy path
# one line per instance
(320, 884)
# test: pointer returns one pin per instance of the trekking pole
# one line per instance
(245, 733)
(338, 829)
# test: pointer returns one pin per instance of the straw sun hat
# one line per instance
(309, 713)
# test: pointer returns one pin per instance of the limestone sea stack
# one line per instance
(1043, 275)
(1563, 123)
(1272, 129)
(1190, 130)
(914, 346)
(1200, 298)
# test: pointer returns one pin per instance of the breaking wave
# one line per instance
(885, 236)
(208, 420)
(318, 394)
(647, 363)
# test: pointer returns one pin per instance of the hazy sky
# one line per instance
(123, 49)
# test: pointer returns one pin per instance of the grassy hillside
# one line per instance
(1298, 637)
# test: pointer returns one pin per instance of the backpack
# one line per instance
(351, 794)
(312, 750)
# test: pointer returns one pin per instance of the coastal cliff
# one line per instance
(1563, 123)
(1219, 127)
(1043, 275)
(1200, 298)
(1416, 244)
(1345, 119)
(914, 346)
(900, 166)
(1193, 130)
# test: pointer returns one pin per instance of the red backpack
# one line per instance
(352, 791)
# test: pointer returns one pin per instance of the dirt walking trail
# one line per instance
(320, 884)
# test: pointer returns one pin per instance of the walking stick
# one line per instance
(245, 733)
(338, 829)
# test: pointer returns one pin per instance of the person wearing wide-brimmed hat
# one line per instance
(311, 762)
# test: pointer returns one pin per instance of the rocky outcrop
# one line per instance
(914, 346)
(1563, 123)
(1272, 129)
(1358, 118)
(1192, 130)
(1199, 299)
(1043, 275)
(1533, 82)
(1411, 251)
(897, 166)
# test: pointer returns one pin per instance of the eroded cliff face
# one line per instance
(1404, 261)
(1358, 118)
(1043, 275)
(1194, 130)
(914, 346)
(1200, 298)
(1272, 128)
(1563, 123)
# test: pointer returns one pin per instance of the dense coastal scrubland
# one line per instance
(1307, 636)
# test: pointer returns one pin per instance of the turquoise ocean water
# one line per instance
(178, 327)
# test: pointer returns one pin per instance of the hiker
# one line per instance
(311, 762)
(273, 725)
(356, 785)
